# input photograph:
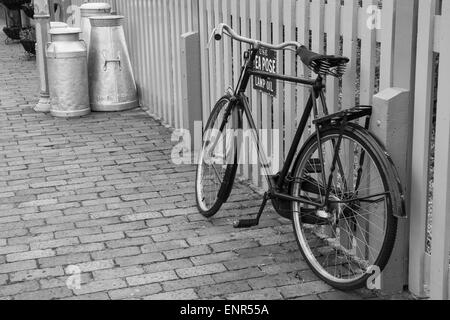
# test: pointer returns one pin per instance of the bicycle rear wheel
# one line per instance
(355, 233)
(217, 164)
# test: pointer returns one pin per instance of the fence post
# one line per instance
(42, 18)
(439, 282)
(421, 147)
(399, 126)
(390, 124)
(191, 83)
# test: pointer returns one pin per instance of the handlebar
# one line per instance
(227, 30)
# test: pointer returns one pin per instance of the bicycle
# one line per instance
(342, 191)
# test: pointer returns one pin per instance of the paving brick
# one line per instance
(188, 283)
(34, 274)
(188, 252)
(265, 294)
(116, 253)
(99, 286)
(187, 294)
(91, 247)
(214, 258)
(30, 255)
(209, 291)
(17, 288)
(238, 275)
(99, 296)
(47, 294)
(117, 244)
(167, 265)
(140, 216)
(69, 259)
(95, 265)
(156, 277)
(139, 259)
(53, 244)
(102, 237)
(13, 249)
(125, 226)
(308, 288)
(118, 273)
(201, 270)
(135, 292)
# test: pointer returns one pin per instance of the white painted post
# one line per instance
(439, 282)
(191, 83)
(421, 147)
(400, 126)
(390, 123)
(42, 18)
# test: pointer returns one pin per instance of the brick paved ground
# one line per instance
(101, 194)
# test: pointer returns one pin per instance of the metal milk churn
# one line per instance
(89, 10)
(68, 74)
(111, 81)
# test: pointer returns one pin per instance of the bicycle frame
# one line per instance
(240, 101)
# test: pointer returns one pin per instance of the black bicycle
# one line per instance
(341, 190)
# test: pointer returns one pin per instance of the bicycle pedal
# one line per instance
(245, 224)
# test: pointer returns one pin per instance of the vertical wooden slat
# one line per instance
(151, 46)
(203, 30)
(350, 31)
(245, 31)
(227, 52)
(160, 47)
(333, 31)
(256, 97)
(219, 51)
(173, 62)
(368, 59)
(267, 105)
(421, 146)
(317, 25)
(289, 108)
(303, 26)
(168, 64)
(277, 150)
(387, 44)
(441, 200)
(179, 28)
(214, 95)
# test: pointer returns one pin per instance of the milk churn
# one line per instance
(111, 81)
(88, 10)
(68, 75)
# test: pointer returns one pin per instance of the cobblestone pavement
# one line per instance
(100, 195)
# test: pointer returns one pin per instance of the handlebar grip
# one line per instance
(218, 34)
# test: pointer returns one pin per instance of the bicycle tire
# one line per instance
(229, 175)
(375, 151)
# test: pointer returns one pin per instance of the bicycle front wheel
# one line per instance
(217, 163)
(354, 234)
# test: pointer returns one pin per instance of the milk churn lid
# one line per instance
(57, 31)
(89, 9)
(106, 21)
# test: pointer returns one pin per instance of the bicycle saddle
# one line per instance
(323, 64)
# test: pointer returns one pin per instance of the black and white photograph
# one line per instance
(225, 157)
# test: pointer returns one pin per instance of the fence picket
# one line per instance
(441, 201)
(350, 32)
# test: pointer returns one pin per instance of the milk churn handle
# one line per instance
(117, 60)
